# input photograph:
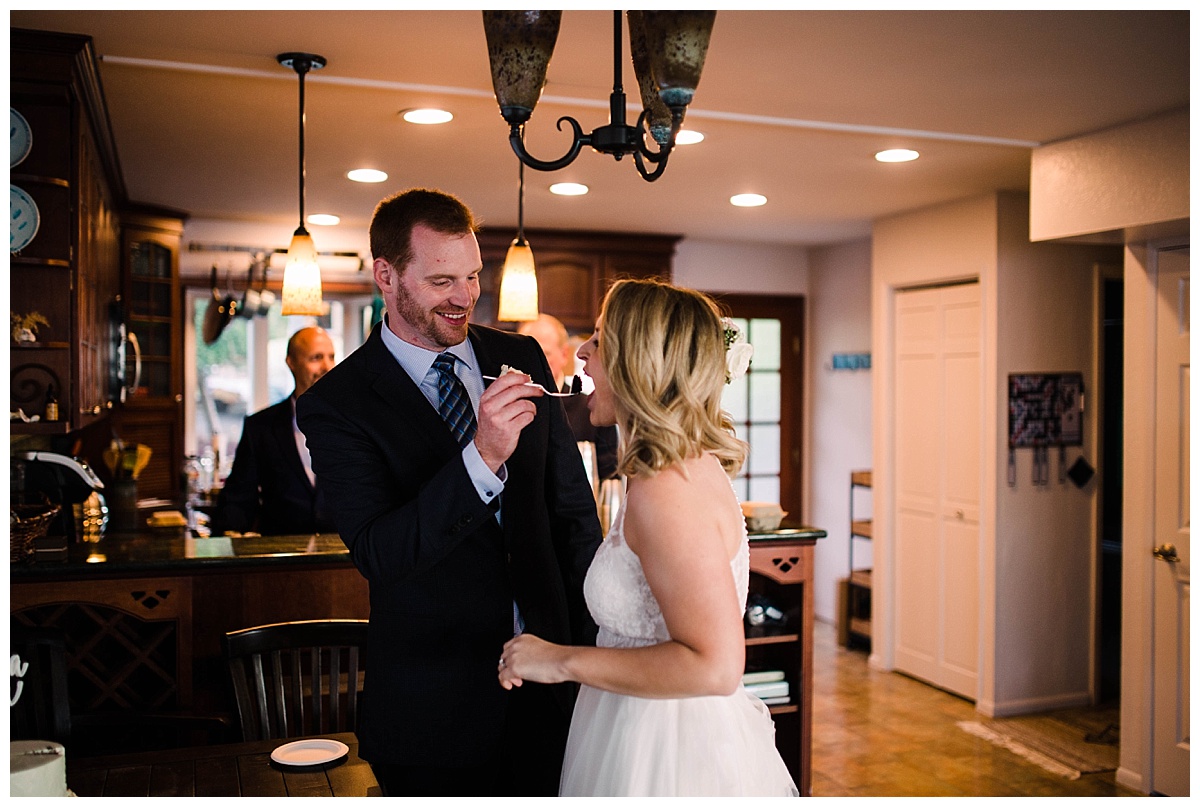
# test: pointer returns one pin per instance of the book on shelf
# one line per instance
(770, 689)
(779, 701)
(762, 676)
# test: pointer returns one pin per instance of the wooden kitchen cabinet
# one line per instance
(151, 306)
(574, 269)
(68, 272)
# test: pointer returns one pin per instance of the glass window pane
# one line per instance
(764, 397)
(223, 392)
(734, 400)
(764, 449)
(765, 335)
(764, 489)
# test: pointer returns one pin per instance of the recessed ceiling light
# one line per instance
(426, 115)
(323, 219)
(366, 175)
(896, 156)
(687, 137)
(748, 200)
(568, 189)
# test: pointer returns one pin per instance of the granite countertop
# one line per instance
(172, 550)
(787, 532)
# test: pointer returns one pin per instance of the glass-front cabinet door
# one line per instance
(151, 387)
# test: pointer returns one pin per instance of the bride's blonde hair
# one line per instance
(663, 350)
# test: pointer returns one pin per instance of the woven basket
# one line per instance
(27, 523)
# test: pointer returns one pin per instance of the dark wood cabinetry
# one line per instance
(574, 269)
(781, 572)
(68, 272)
(150, 307)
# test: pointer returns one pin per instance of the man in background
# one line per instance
(552, 335)
(271, 488)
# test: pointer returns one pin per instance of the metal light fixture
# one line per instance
(668, 50)
(518, 280)
(302, 275)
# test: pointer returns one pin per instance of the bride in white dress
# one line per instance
(661, 710)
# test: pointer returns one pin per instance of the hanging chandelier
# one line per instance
(302, 275)
(667, 48)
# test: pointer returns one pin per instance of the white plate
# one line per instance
(23, 219)
(20, 137)
(310, 752)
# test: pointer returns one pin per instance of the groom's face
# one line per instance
(431, 300)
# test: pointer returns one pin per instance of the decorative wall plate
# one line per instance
(20, 137)
(23, 219)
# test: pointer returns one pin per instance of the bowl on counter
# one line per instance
(762, 516)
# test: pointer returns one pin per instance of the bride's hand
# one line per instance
(528, 658)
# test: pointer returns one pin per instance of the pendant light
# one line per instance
(518, 280)
(302, 275)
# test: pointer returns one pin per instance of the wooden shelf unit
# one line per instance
(781, 570)
(854, 596)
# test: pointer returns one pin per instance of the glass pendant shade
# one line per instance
(677, 42)
(658, 117)
(520, 44)
(302, 277)
(518, 285)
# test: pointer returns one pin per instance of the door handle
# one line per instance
(1166, 552)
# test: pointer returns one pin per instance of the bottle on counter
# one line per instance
(51, 403)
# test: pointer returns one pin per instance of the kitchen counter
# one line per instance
(145, 613)
(172, 551)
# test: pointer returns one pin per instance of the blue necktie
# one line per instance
(454, 404)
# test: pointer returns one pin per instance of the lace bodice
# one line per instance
(620, 599)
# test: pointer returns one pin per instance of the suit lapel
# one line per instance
(488, 364)
(404, 397)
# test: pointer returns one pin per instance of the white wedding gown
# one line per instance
(622, 745)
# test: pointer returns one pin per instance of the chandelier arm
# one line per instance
(579, 141)
(641, 165)
(664, 151)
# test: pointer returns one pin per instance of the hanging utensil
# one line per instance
(250, 300)
(266, 297)
(221, 309)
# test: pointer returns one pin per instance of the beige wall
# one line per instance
(840, 410)
(741, 268)
(1046, 536)
(1125, 178)
(1038, 312)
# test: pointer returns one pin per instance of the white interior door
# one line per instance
(1172, 528)
(937, 491)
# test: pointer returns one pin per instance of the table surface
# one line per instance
(236, 769)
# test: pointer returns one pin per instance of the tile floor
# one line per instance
(884, 734)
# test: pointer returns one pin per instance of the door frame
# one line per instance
(789, 310)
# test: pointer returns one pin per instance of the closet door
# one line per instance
(937, 490)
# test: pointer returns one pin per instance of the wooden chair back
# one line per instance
(39, 708)
(293, 679)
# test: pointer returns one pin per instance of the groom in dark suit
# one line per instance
(271, 488)
(466, 507)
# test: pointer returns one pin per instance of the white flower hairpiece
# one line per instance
(737, 351)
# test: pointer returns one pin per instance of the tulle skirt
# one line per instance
(710, 746)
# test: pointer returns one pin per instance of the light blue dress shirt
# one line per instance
(418, 363)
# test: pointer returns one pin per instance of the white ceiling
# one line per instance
(793, 105)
